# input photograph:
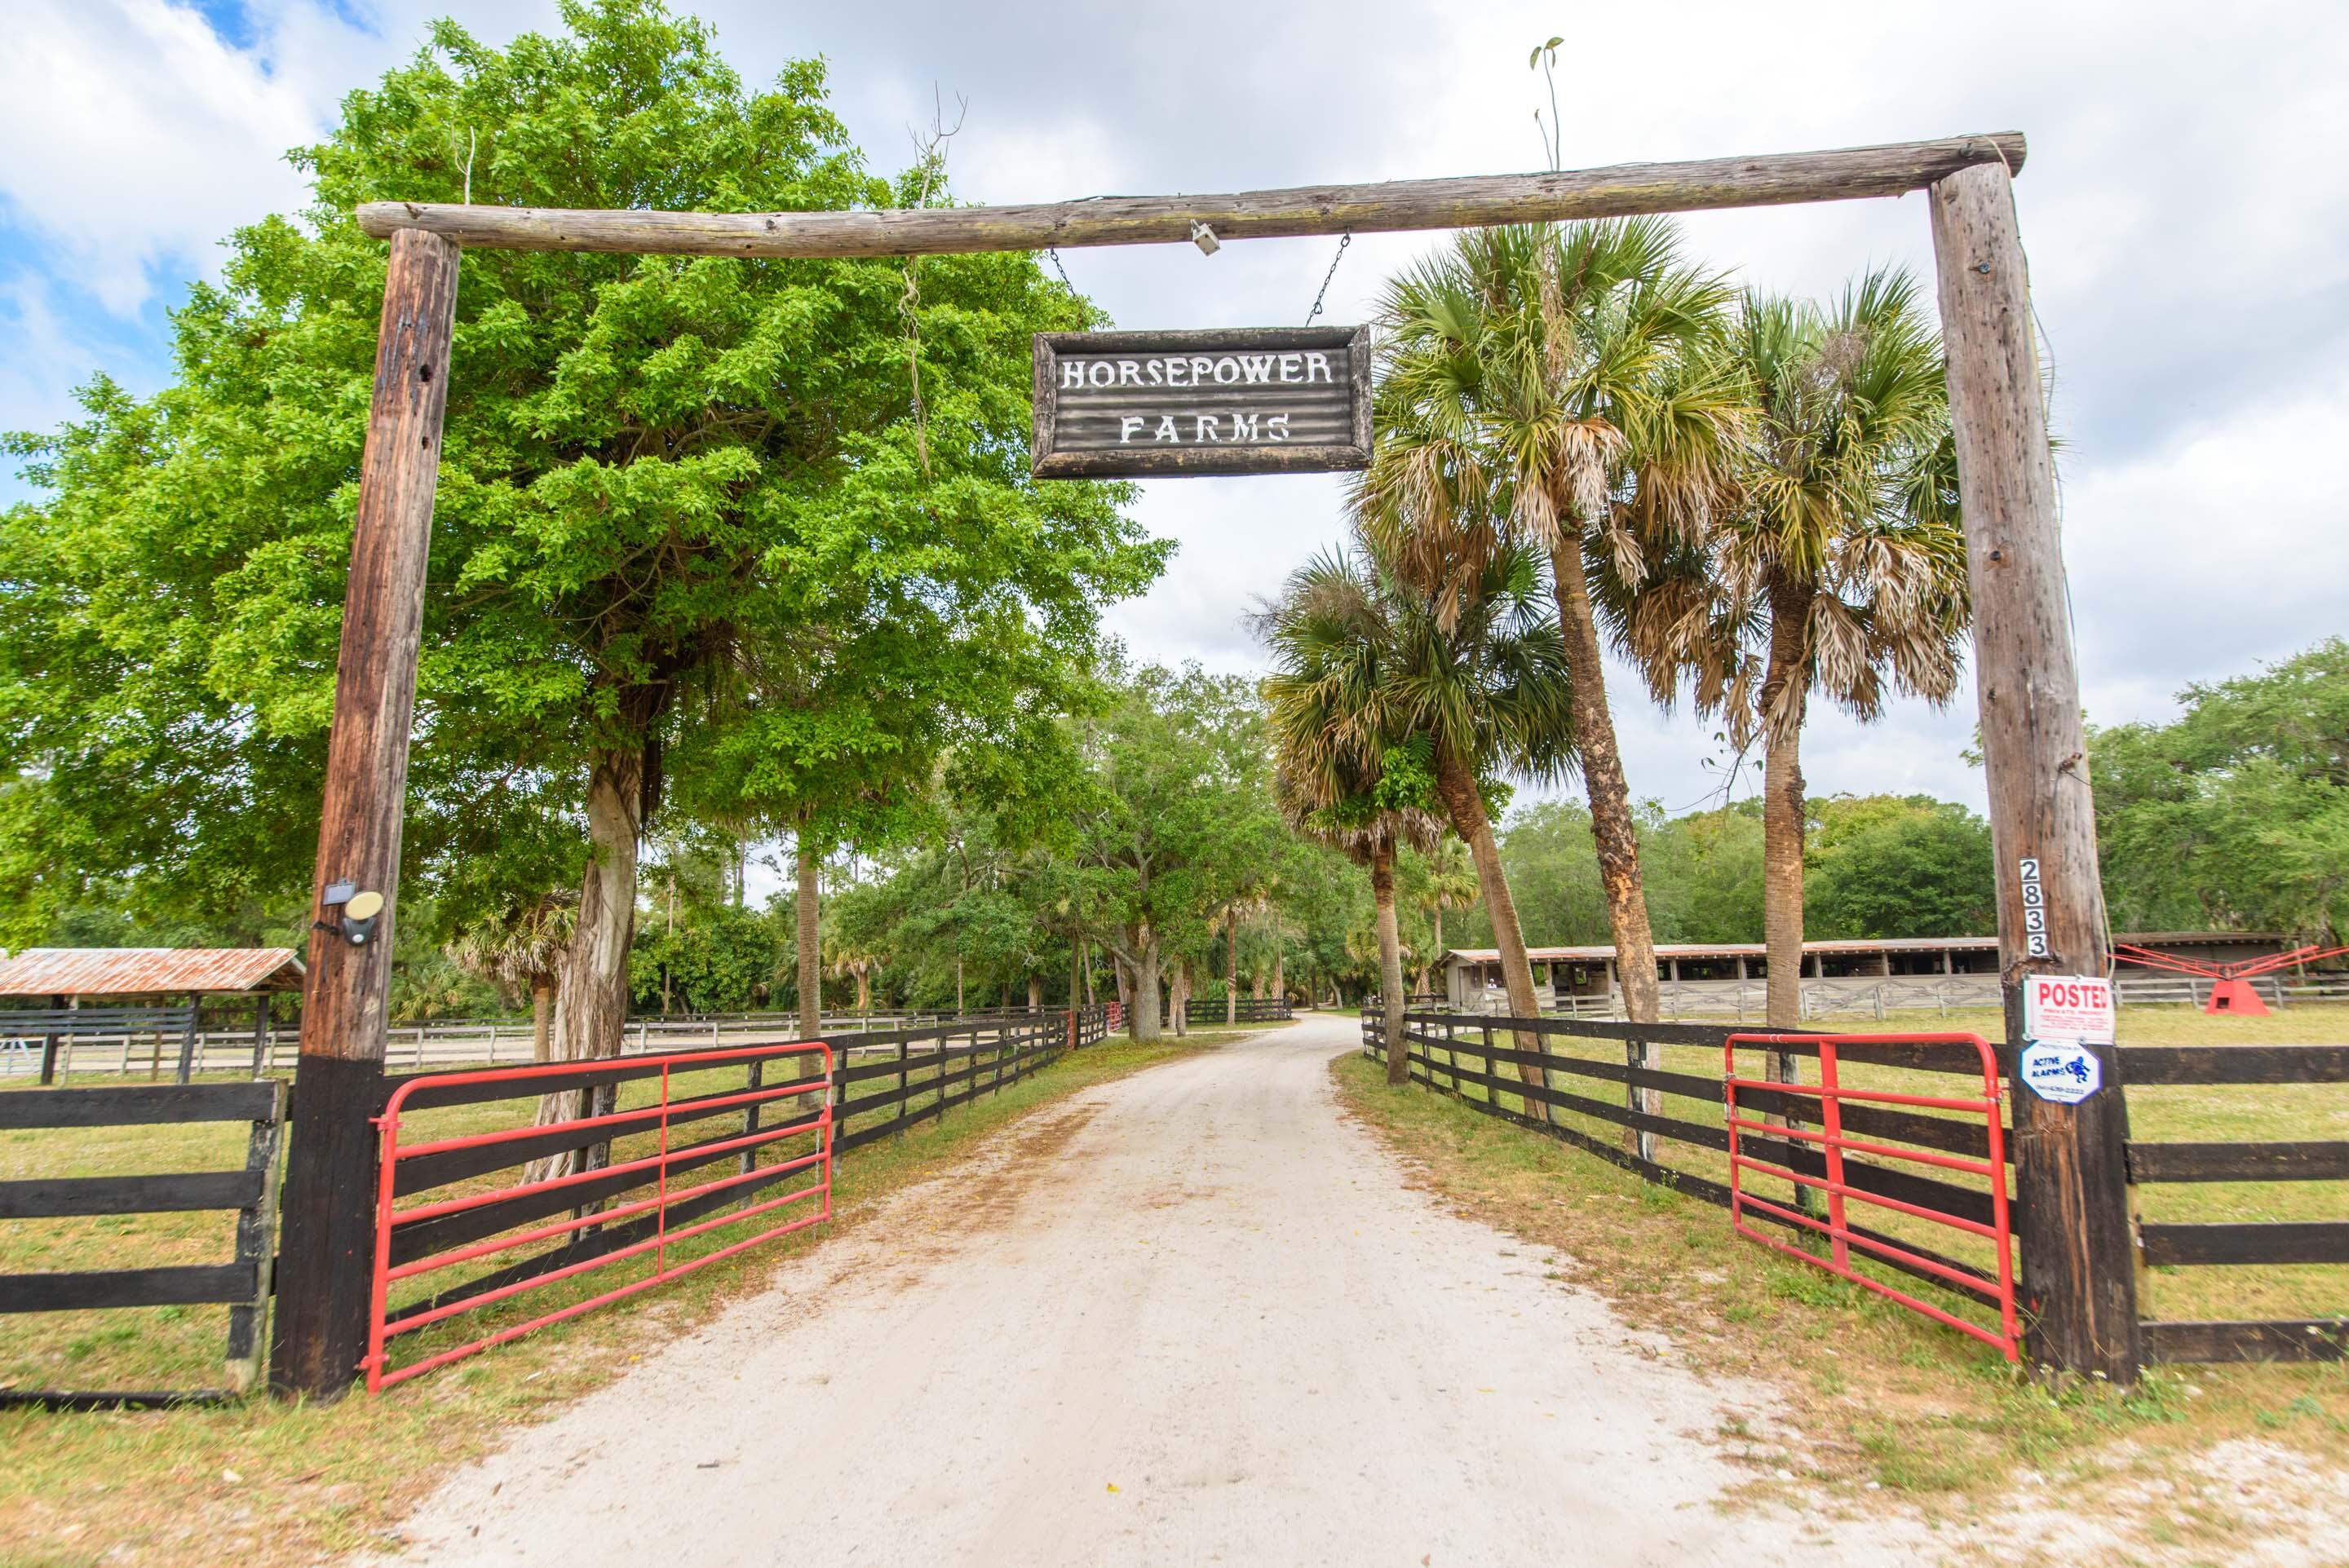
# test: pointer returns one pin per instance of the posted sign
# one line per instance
(2068, 1008)
(2062, 1016)
(1135, 404)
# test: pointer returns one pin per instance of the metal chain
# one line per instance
(1345, 239)
(1058, 268)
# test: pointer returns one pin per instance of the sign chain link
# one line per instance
(1345, 239)
(1057, 267)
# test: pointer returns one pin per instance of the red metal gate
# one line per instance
(443, 1161)
(1833, 1143)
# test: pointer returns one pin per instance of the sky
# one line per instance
(2187, 234)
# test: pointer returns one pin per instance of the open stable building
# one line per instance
(1698, 973)
(52, 996)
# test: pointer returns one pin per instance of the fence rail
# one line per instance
(2236, 1245)
(1882, 997)
(242, 1283)
(1461, 1054)
(577, 1163)
(125, 1052)
(875, 1085)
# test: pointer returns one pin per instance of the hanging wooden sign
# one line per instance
(1261, 400)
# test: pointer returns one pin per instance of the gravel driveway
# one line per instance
(1191, 1316)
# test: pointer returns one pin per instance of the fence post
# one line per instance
(188, 1045)
(260, 1035)
(2071, 1197)
(49, 1043)
(748, 1160)
(320, 1324)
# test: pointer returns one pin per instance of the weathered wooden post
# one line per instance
(325, 1257)
(56, 1028)
(2072, 1202)
(188, 1040)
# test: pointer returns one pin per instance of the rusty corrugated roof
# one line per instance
(147, 970)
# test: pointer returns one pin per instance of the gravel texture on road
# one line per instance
(1193, 1316)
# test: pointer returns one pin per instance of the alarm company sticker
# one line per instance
(2064, 1071)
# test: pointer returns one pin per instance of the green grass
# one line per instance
(1882, 1395)
(268, 1483)
(2217, 1113)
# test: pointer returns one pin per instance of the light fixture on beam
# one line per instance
(1204, 238)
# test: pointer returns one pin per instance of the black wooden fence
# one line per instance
(242, 1283)
(48, 1030)
(883, 1085)
(1253, 1010)
(1476, 1058)
(2150, 1069)
(1673, 1118)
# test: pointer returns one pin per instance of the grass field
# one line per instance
(1883, 1396)
(264, 1483)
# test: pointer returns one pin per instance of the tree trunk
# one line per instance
(1390, 966)
(1456, 784)
(957, 985)
(864, 989)
(591, 994)
(1279, 979)
(542, 1018)
(1178, 996)
(1035, 993)
(1611, 829)
(1231, 965)
(1786, 683)
(810, 937)
(1427, 960)
(1143, 1009)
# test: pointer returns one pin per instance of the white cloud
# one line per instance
(2192, 275)
(138, 139)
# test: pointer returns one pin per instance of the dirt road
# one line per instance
(1193, 1317)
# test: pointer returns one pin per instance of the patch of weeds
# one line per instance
(1916, 1461)
(1813, 1289)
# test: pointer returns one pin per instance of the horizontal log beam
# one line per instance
(1394, 206)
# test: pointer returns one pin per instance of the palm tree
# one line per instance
(1842, 570)
(1327, 702)
(1559, 386)
(1450, 884)
(849, 957)
(521, 948)
(1384, 702)
(524, 946)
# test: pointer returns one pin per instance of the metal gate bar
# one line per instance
(381, 1329)
(1833, 1145)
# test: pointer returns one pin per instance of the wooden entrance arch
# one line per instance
(2069, 1187)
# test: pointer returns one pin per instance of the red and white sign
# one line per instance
(2068, 1007)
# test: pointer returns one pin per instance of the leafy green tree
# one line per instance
(712, 958)
(1178, 818)
(678, 499)
(2236, 814)
(1912, 866)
